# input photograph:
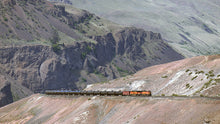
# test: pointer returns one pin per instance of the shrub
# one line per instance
(5, 19)
(208, 83)
(56, 47)
(175, 95)
(211, 75)
(194, 77)
(83, 55)
(201, 72)
(84, 80)
(187, 70)
(187, 86)
(89, 48)
(211, 72)
(190, 73)
(164, 76)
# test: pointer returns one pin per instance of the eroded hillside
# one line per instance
(194, 76)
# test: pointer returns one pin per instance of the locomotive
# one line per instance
(100, 93)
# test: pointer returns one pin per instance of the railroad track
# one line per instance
(122, 93)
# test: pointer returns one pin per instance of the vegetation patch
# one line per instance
(206, 85)
(187, 70)
(83, 55)
(56, 47)
(200, 72)
(194, 77)
(5, 19)
(217, 80)
(210, 74)
(84, 80)
(190, 73)
(176, 95)
(164, 76)
(187, 86)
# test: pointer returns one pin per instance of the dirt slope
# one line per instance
(193, 76)
(104, 110)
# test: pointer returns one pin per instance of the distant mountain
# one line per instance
(192, 27)
(52, 46)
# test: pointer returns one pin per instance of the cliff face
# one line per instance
(73, 66)
(5, 95)
(11, 90)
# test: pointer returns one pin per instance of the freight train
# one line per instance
(100, 93)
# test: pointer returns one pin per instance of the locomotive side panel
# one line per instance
(146, 93)
(133, 93)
